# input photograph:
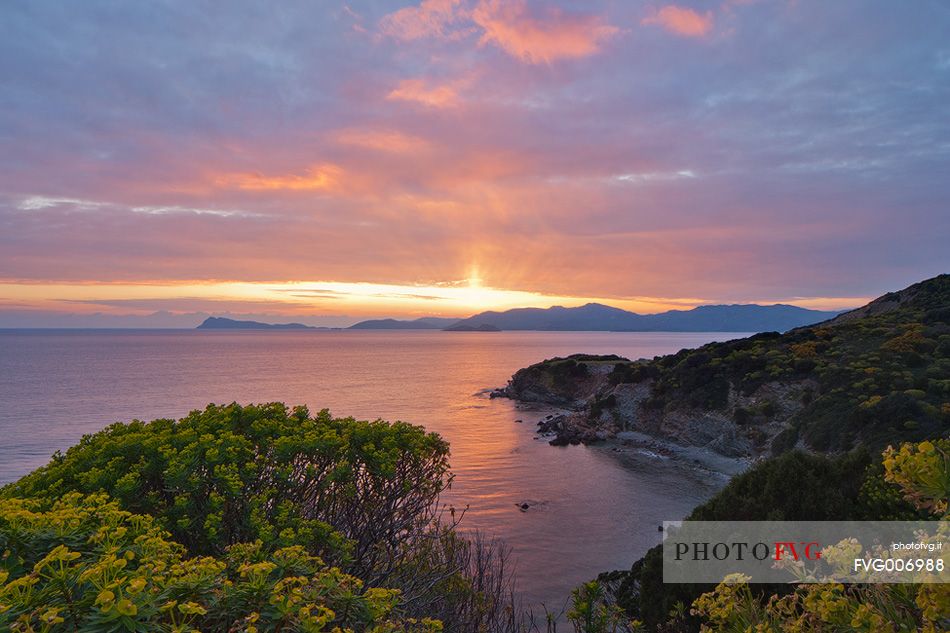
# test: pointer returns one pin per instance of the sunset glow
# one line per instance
(350, 161)
(303, 298)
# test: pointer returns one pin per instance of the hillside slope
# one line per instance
(868, 377)
(817, 404)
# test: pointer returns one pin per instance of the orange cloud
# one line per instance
(382, 140)
(323, 177)
(432, 18)
(417, 91)
(681, 21)
(555, 35)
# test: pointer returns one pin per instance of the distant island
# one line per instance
(599, 317)
(222, 323)
(594, 317)
(465, 327)
(424, 323)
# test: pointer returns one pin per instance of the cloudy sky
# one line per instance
(335, 161)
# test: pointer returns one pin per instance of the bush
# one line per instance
(922, 471)
(826, 488)
(601, 404)
(83, 564)
(361, 495)
(843, 487)
(354, 492)
(784, 441)
(625, 373)
(590, 613)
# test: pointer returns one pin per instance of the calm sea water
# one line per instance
(590, 513)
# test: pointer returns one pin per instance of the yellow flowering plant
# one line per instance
(923, 473)
(81, 563)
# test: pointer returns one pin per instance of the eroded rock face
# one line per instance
(715, 432)
(575, 428)
(562, 382)
(598, 406)
(629, 413)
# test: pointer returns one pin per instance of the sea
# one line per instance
(588, 510)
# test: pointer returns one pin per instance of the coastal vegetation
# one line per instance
(270, 518)
(816, 407)
(922, 472)
(353, 492)
(913, 480)
(244, 518)
(869, 378)
(852, 486)
(864, 381)
(81, 563)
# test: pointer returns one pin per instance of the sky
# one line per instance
(328, 162)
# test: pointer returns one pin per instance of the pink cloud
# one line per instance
(543, 38)
(400, 160)
(421, 92)
(324, 177)
(432, 18)
(392, 141)
(681, 21)
(533, 37)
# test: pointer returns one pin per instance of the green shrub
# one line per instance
(843, 487)
(922, 471)
(601, 404)
(632, 373)
(589, 613)
(361, 495)
(348, 490)
(784, 441)
(83, 564)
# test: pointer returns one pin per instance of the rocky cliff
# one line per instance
(596, 406)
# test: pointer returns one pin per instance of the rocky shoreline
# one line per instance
(634, 450)
(598, 399)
